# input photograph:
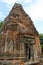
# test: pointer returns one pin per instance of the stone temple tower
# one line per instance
(20, 39)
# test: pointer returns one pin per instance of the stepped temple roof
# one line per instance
(21, 19)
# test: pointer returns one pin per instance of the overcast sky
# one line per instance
(34, 8)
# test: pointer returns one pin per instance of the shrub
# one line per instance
(42, 47)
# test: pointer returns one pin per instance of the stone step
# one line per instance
(32, 63)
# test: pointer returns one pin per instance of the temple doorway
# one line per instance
(27, 51)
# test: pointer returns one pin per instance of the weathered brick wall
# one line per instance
(37, 44)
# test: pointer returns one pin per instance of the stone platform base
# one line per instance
(11, 62)
(18, 62)
(32, 63)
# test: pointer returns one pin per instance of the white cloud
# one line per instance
(36, 10)
(10, 2)
(27, 1)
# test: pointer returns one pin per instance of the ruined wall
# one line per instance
(37, 44)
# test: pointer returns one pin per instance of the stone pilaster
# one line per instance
(37, 44)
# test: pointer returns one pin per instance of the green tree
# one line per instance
(1, 23)
(41, 41)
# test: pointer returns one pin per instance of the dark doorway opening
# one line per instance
(27, 52)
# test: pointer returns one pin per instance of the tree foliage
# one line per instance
(41, 41)
(41, 38)
(1, 23)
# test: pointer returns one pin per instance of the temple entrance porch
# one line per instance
(29, 51)
(22, 49)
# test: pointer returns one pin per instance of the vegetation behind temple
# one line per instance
(41, 35)
(1, 23)
(41, 41)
